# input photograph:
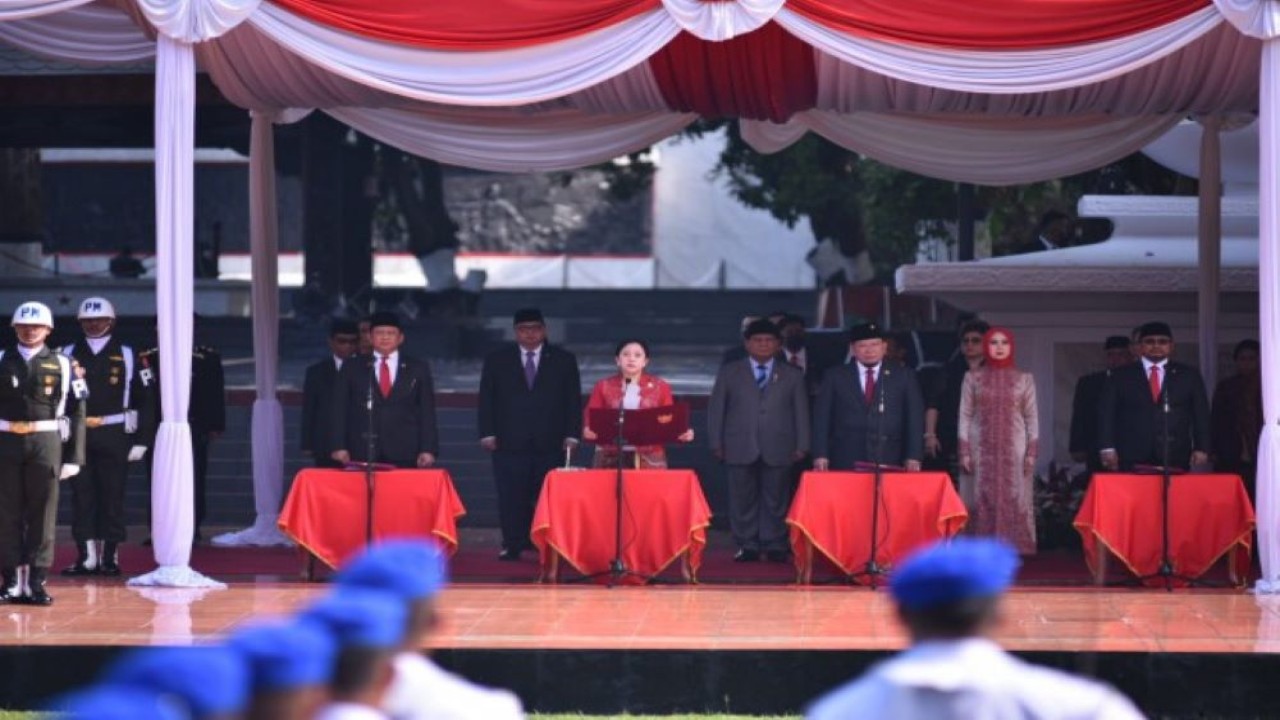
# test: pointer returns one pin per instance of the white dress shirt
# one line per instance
(393, 364)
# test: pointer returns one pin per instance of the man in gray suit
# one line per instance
(758, 422)
(869, 411)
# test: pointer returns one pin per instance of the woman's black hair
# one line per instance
(643, 346)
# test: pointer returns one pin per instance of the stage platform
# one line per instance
(753, 649)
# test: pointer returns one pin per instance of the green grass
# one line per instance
(574, 716)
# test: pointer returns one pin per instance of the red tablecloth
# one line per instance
(832, 514)
(325, 510)
(664, 518)
(1209, 516)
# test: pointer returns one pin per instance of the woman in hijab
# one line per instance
(999, 434)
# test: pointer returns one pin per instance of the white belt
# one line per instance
(100, 420)
(26, 427)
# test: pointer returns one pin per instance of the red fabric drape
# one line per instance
(469, 24)
(767, 74)
(1004, 25)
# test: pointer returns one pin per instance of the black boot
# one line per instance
(10, 590)
(108, 564)
(39, 596)
(81, 566)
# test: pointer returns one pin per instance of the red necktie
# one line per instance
(384, 378)
(1155, 383)
(869, 389)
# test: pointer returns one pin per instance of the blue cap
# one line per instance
(361, 617)
(286, 654)
(948, 572)
(114, 702)
(408, 569)
(210, 679)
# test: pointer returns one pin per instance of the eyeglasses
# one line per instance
(971, 340)
(1156, 341)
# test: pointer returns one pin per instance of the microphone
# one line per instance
(1164, 392)
(880, 387)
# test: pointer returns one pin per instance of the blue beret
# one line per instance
(211, 680)
(949, 572)
(408, 569)
(114, 702)
(286, 654)
(361, 617)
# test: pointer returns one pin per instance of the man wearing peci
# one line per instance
(758, 425)
(1142, 399)
(402, 394)
(530, 413)
(868, 411)
(1084, 403)
(317, 392)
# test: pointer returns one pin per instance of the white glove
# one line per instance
(137, 452)
(68, 470)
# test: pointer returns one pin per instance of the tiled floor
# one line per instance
(677, 617)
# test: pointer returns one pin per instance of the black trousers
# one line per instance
(29, 467)
(519, 475)
(97, 493)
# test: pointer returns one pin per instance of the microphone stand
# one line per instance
(370, 445)
(872, 569)
(1166, 571)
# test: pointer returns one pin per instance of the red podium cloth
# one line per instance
(1209, 516)
(664, 518)
(325, 510)
(832, 514)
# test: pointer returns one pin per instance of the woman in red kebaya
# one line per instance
(631, 388)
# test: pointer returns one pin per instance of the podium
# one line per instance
(831, 514)
(1210, 516)
(665, 519)
(325, 510)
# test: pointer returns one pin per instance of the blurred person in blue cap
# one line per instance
(416, 571)
(208, 681)
(115, 702)
(367, 626)
(290, 662)
(948, 597)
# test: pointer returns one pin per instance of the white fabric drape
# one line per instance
(1007, 71)
(1209, 236)
(193, 21)
(267, 423)
(1261, 19)
(18, 9)
(507, 141)
(980, 150)
(723, 20)
(90, 34)
(510, 77)
(172, 507)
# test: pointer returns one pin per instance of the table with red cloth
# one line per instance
(831, 513)
(664, 518)
(326, 510)
(1209, 516)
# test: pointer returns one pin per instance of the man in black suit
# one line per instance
(868, 411)
(530, 412)
(403, 403)
(1084, 403)
(317, 392)
(1144, 398)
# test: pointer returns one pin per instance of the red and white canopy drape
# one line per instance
(992, 93)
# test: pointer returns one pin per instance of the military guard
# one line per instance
(41, 408)
(110, 370)
(206, 413)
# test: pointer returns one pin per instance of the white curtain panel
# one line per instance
(1261, 19)
(18, 9)
(510, 77)
(980, 150)
(1007, 71)
(722, 20)
(267, 423)
(88, 35)
(194, 21)
(1216, 73)
(509, 141)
